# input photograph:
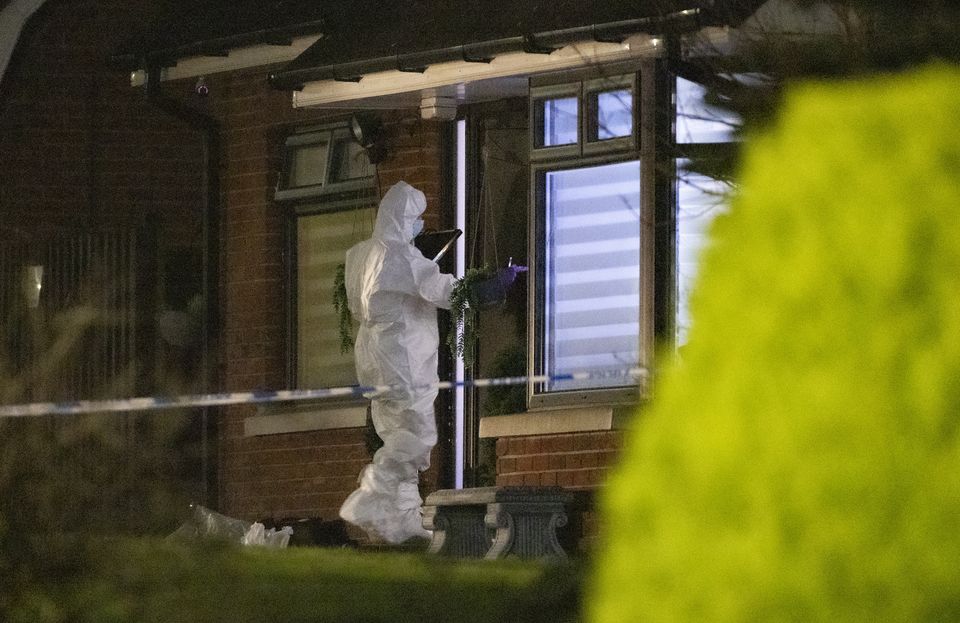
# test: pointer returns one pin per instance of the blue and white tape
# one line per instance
(157, 403)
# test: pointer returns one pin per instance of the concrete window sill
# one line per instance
(555, 421)
(298, 418)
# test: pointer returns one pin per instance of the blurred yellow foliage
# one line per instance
(802, 461)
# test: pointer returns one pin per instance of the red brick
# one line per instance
(581, 478)
(540, 462)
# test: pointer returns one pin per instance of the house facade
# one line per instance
(242, 149)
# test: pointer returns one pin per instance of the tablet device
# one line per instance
(434, 244)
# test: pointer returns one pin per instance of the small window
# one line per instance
(557, 121)
(610, 114)
(584, 117)
(322, 161)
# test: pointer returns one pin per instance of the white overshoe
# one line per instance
(411, 525)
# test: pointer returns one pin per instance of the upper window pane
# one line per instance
(592, 273)
(612, 113)
(558, 123)
(308, 164)
(697, 121)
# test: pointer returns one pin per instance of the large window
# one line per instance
(705, 135)
(587, 239)
(327, 182)
(592, 271)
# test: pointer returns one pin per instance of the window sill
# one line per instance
(555, 421)
(299, 418)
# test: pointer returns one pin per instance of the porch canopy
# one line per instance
(368, 36)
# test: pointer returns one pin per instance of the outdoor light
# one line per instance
(367, 131)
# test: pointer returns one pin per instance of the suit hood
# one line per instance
(399, 209)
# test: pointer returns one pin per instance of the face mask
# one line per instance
(417, 227)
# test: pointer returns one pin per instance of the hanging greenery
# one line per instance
(344, 318)
(462, 338)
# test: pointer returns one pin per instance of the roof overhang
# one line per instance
(473, 32)
(456, 82)
(257, 55)
(437, 55)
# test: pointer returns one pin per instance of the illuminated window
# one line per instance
(587, 315)
(327, 186)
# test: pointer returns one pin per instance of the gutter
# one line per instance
(210, 130)
(12, 19)
(294, 78)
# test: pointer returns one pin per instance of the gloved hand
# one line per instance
(494, 290)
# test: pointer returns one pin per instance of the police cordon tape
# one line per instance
(157, 403)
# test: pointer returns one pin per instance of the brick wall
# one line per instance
(579, 462)
(573, 460)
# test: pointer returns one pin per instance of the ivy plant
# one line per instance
(462, 338)
(344, 318)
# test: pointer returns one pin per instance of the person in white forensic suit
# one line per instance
(394, 291)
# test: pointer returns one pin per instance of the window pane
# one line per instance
(700, 199)
(350, 161)
(698, 122)
(614, 110)
(559, 121)
(322, 242)
(592, 307)
(308, 165)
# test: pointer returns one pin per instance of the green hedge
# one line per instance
(802, 462)
(143, 581)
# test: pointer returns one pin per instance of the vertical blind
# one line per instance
(322, 243)
(592, 270)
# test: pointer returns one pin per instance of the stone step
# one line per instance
(497, 522)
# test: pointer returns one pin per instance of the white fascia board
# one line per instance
(240, 58)
(440, 77)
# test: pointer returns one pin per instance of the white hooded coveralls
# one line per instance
(394, 291)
